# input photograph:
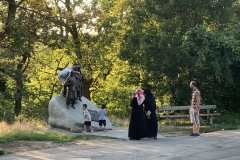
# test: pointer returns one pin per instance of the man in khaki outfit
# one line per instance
(195, 108)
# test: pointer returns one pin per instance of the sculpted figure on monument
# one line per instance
(74, 85)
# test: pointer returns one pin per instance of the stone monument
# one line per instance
(72, 119)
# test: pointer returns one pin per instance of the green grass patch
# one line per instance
(33, 131)
(173, 128)
(218, 127)
(188, 128)
(44, 136)
(229, 121)
(2, 152)
(119, 122)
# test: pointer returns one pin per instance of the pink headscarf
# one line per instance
(140, 96)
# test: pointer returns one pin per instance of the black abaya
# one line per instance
(150, 104)
(137, 126)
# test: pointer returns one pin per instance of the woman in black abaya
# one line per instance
(150, 113)
(137, 126)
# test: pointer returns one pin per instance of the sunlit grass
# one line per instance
(180, 125)
(19, 127)
(119, 122)
(32, 131)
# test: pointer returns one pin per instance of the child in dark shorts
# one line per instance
(102, 113)
(87, 117)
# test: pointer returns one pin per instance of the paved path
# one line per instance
(223, 145)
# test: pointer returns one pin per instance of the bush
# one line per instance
(2, 152)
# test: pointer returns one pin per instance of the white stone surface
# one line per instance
(71, 119)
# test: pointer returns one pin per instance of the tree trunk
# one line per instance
(19, 83)
(74, 31)
(12, 8)
(18, 94)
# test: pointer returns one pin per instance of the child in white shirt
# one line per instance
(87, 117)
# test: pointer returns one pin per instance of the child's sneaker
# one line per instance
(105, 130)
(84, 132)
(91, 131)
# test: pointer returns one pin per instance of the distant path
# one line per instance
(223, 145)
(116, 132)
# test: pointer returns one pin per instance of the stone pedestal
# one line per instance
(72, 119)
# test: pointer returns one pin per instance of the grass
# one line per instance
(188, 128)
(33, 136)
(2, 152)
(119, 122)
(32, 131)
(183, 124)
(223, 122)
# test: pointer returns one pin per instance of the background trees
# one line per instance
(121, 45)
(159, 43)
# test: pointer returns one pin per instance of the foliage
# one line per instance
(42, 81)
(157, 40)
(217, 56)
(120, 45)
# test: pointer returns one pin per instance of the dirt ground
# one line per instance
(24, 146)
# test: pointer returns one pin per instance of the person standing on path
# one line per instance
(102, 113)
(194, 109)
(137, 126)
(87, 119)
(150, 112)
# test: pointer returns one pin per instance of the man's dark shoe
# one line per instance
(193, 134)
(197, 134)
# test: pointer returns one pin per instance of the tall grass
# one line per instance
(32, 131)
(19, 127)
(119, 122)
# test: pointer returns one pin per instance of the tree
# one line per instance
(153, 41)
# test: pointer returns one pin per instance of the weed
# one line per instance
(2, 152)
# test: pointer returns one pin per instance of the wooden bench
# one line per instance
(210, 112)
